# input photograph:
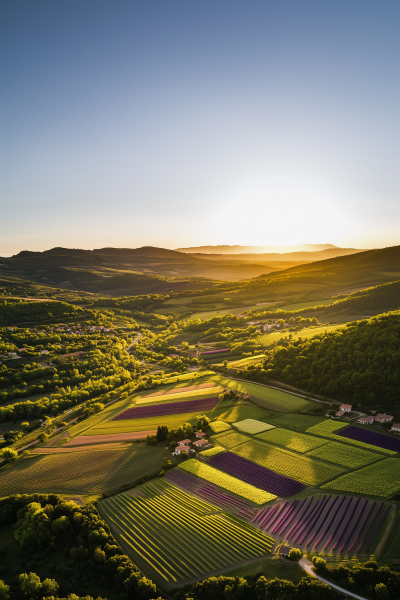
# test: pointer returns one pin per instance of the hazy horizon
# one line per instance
(175, 125)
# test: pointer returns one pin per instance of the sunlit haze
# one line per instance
(179, 123)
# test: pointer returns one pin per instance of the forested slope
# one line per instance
(359, 362)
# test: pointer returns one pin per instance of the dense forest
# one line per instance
(359, 362)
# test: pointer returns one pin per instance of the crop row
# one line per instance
(171, 408)
(252, 426)
(304, 469)
(380, 479)
(211, 493)
(178, 396)
(250, 472)
(299, 442)
(347, 456)
(335, 524)
(330, 429)
(83, 472)
(205, 471)
(157, 531)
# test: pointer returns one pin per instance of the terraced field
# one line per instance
(304, 469)
(347, 456)
(298, 442)
(219, 426)
(269, 398)
(82, 472)
(156, 530)
(380, 479)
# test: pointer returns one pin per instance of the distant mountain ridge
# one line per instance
(237, 249)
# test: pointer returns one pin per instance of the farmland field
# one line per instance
(339, 524)
(242, 411)
(212, 451)
(380, 479)
(304, 469)
(299, 442)
(296, 422)
(269, 398)
(227, 482)
(170, 408)
(81, 472)
(230, 440)
(257, 475)
(152, 528)
(179, 396)
(127, 425)
(347, 456)
(219, 426)
(330, 429)
(371, 437)
(304, 334)
(252, 426)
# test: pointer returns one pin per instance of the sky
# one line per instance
(178, 123)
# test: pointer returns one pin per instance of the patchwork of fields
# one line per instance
(156, 528)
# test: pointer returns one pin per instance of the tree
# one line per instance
(8, 454)
(25, 425)
(295, 554)
(162, 433)
(49, 587)
(381, 591)
(4, 589)
(30, 584)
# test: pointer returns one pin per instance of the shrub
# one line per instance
(295, 554)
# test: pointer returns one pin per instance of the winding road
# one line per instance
(308, 567)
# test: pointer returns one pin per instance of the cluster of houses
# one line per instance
(379, 418)
(368, 420)
(186, 445)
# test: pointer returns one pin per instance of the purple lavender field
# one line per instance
(371, 437)
(159, 410)
(260, 477)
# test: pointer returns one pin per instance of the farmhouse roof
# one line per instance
(380, 417)
(396, 426)
(366, 419)
(340, 413)
(201, 443)
(200, 434)
(185, 442)
(346, 407)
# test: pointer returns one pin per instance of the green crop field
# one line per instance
(219, 426)
(347, 456)
(242, 411)
(212, 451)
(296, 422)
(381, 479)
(170, 535)
(81, 472)
(298, 442)
(269, 398)
(240, 488)
(180, 396)
(252, 426)
(269, 338)
(304, 469)
(302, 305)
(328, 428)
(230, 440)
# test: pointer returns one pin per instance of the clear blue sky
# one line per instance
(174, 122)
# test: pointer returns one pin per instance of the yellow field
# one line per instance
(270, 338)
(189, 395)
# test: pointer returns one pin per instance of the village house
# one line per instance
(181, 448)
(340, 413)
(201, 444)
(366, 420)
(200, 434)
(395, 427)
(384, 418)
(186, 442)
(346, 407)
